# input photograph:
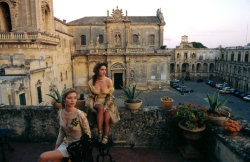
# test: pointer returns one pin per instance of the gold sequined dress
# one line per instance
(106, 99)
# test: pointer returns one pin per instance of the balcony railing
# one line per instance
(28, 37)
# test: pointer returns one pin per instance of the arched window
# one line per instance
(5, 18)
(83, 39)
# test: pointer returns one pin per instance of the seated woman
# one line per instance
(101, 101)
(72, 124)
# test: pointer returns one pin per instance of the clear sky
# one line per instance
(211, 22)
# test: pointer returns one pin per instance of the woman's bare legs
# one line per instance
(100, 111)
(107, 124)
(55, 156)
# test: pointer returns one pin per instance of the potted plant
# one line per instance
(192, 117)
(57, 99)
(130, 97)
(216, 113)
(166, 102)
(231, 127)
(192, 123)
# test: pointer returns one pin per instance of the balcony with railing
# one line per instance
(16, 37)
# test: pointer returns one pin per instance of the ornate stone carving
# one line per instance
(117, 66)
(160, 16)
(116, 16)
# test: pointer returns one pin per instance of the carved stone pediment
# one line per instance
(117, 16)
(117, 66)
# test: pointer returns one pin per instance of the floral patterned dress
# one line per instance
(72, 131)
(106, 99)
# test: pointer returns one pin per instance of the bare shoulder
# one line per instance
(109, 82)
(90, 81)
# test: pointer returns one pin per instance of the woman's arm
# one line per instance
(84, 124)
(109, 100)
(60, 137)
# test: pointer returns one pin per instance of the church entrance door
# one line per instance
(118, 80)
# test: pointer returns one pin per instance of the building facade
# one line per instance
(132, 46)
(35, 52)
(193, 63)
(233, 67)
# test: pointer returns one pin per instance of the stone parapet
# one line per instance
(16, 37)
(150, 127)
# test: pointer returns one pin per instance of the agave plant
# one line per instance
(130, 94)
(57, 97)
(215, 105)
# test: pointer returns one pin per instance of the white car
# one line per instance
(247, 98)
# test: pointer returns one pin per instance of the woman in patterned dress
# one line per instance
(72, 124)
(101, 101)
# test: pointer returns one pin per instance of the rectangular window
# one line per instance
(22, 99)
(100, 38)
(39, 95)
(185, 55)
(246, 58)
(83, 39)
(135, 39)
(151, 39)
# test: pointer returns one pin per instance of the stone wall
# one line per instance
(150, 127)
(147, 127)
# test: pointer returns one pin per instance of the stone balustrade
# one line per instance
(30, 37)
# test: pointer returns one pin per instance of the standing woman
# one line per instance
(101, 101)
(72, 124)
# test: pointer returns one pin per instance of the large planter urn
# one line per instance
(190, 134)
(133, 106)
(189, 150)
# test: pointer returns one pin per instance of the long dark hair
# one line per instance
(96, 70)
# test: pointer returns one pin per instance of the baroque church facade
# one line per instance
(39, 52)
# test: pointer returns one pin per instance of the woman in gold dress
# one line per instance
(101, 101)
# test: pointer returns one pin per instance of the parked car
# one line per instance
(209, 82)
(246, 98)
(237, 93)
(242, 94)
(213, 84)
(225, 90)
(187, 90)
(175, 85)
(232, 90)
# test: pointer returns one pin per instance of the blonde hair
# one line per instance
(65, 94)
